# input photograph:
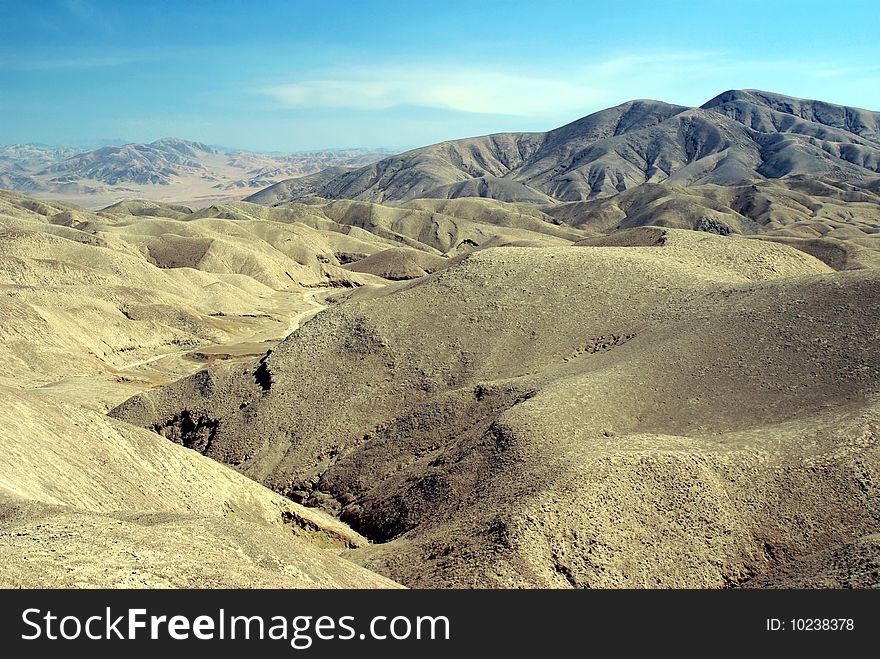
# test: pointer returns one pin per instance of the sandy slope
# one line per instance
(689, 413)
(100, 306)
(48, 547)
(86, 501)
(91, 317)
(546, 397)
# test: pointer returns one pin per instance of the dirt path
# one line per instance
(240, 347)
(104, 391)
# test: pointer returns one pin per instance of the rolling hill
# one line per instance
(98, 306)
(641, 350)
(838, 222)
(630, 415)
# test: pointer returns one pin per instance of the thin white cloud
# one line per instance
(480, 91)
(70, 63)
(673, 75)
(841, 70)
(79, 63)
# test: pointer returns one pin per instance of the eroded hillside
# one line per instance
(98, 306)
(737, 136)
(673, 385)
(638, 414)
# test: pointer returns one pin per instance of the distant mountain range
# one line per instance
(186, 171)
(736, 136)
(659, 369)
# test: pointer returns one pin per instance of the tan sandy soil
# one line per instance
(543, 399)
(690, 410)
(89, 320)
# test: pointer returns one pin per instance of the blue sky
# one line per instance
(297, 75)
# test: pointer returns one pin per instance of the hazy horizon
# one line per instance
(300, 77)
(99, 143)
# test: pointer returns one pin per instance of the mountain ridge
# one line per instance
(168, 169)
(462, 392)
(736, 136)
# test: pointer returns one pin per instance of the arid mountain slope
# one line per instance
(294, 188)
(447, 227)
(86, 501)
(768, 112)
(689, 413)
(19, 161)
(92, 293)
(104, 291)
(796, 204)
(157, 163)
(497, 394)
(413, 174)
(168, 169)
(95, 308)
(737, 136)
(800, 210)
(853, 564)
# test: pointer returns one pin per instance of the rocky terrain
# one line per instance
(168, 169)
(494, 381)
(506, 418)
(99, 306)
(736, 136)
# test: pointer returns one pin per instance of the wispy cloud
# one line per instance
(844, 70)
(69, 63)
(449, 89)
(675, 75)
